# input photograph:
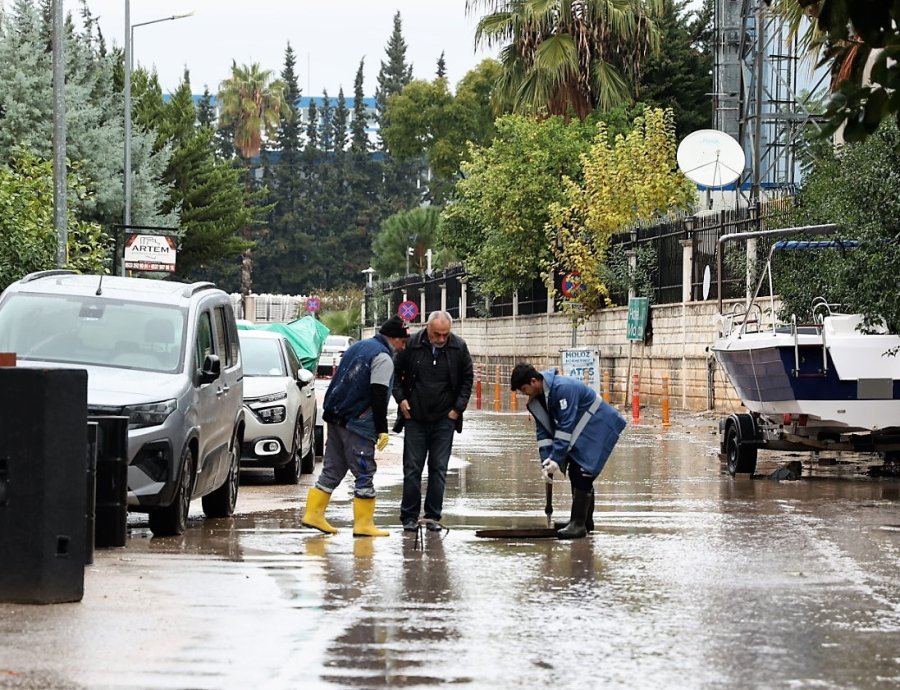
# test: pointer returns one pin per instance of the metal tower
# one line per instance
(760, 89)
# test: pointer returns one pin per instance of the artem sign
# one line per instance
(150, 253)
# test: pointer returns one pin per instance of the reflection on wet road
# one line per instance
(691, 580)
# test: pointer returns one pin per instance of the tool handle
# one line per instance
(548, 505)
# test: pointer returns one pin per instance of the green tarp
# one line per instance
(306, 336)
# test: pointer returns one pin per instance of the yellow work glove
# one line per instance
(382, 441)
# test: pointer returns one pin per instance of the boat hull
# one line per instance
(849, 383)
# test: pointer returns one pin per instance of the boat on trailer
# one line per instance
(827, 384)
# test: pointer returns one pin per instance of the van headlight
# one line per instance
(149, 414)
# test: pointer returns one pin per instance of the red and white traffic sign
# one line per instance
(312, 304)
(408, 310)
(571, 283)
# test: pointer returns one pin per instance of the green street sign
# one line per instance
(638, 308)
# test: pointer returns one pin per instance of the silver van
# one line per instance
(162, 353)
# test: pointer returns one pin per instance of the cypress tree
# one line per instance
(441, 67)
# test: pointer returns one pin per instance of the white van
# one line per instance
(162, 353)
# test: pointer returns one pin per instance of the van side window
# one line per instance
(221, 338)
(204, 338)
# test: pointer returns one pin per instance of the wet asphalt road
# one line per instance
(692, 580)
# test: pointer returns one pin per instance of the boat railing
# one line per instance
(820, 309)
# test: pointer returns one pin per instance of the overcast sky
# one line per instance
(328, 38)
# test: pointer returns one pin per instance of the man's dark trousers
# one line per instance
(421, 439)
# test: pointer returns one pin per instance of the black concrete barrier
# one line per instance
(43, 415)
(111, 507)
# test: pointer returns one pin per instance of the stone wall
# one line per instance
(676, 351)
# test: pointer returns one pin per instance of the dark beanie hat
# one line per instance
(394, 328)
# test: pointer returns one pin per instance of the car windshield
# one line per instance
(262, 357)
(89, 330)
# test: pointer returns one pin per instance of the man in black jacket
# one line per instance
(432, 384)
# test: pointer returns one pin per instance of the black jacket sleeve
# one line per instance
(379, 404)
(467, 376)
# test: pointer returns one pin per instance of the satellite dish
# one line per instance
(710, 158)
(707, 281)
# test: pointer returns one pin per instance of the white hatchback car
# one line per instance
(280, 405)
(333, 349)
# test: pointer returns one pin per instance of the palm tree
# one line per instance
(251, 104)
(564, 57)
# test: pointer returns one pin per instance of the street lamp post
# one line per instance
(129, 40)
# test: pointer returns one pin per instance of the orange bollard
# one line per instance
(636, 400)
(606, 387)
(665, 401)
(478, 391)
(497, 399)
(513, 401)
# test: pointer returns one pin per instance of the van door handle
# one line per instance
(225, 388)
(219, 392)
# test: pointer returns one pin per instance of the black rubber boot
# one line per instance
(589, 523)
(577, 528)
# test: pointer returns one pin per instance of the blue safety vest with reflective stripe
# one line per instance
(576, 424)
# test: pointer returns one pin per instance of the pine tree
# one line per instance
(400, 179)
(680, 76)
(208, 192)
(278, 253)
(394, 74)
(326, 124)
(359, 140)
(94, 115)
(441, 67)
(206, 112)
(340, 118)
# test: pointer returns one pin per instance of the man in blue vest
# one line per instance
(576, 432)
(355, 409)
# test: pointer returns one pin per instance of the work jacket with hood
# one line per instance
(574, 423)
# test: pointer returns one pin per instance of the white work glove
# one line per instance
(382, 441)
(548, 468)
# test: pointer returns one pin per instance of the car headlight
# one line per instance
(149, 414)
(271, 415)
(270, 398)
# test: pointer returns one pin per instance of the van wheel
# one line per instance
(171, 520)
(289, 473)
(221, 502)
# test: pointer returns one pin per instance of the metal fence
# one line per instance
(703, 230)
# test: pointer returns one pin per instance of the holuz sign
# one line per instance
(150, 253)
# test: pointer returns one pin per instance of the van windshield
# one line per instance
(79, 329)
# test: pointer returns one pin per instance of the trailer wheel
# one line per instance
(739, 457)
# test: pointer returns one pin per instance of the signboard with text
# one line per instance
(583, 364)
(638, 308)
(150, 253)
